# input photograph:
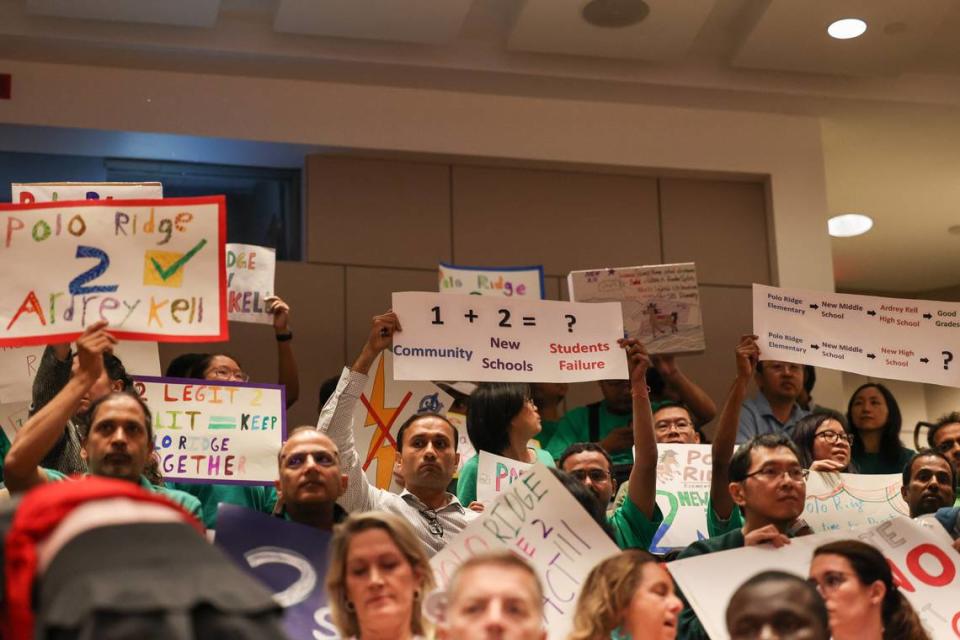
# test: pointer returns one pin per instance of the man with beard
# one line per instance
(774, 409)
(928, 483)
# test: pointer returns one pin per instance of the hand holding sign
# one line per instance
(91, 346)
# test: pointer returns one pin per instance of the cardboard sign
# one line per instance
(288, 558)
(521, 282)
(154, 269)
(384, 406)
(250, 277)
(214, 431)
(683, 487)
(449, 337)
(495, 474)
(28, 193)
(18, 366)
(661, 303)
(924, 565)
(893, 338)
(539, 520)
(842, 501)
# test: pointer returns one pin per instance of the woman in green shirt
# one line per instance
(874, 414)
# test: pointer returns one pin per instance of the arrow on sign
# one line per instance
(928, 316)
(871, 312)
(924, 360)
(814, 346)
(871, 356)
(813, 306)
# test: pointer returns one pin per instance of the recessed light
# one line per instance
(847, 28)
(849, 224)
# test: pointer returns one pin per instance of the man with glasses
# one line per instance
(774, 409)
(944, 436)
(673, 424)
(309, 480)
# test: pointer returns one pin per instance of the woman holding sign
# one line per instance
(501, 419)
(874, 414)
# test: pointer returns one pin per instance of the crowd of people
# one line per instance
(90, 438)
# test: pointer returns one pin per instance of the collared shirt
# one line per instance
(434, 527)
(756, 419)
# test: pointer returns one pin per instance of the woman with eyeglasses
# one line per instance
(501, 419)
(824, 440)
(377, 578)
(874, 415)
(857, 585)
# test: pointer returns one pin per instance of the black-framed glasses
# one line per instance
(832, 437)
(434, 526)
(595, 475)
(772, 474)
(680, 424)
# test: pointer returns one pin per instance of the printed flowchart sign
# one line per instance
(250, 281)
(18, 366)
(384, 405)
(28, 193)
(451, 337)
(661, 303)
(924, 564)
(683, 487)
(213, 431)
(540, 521)
(841, 501)
(895, 338)
(288, 558)
(153, 269)
(520, 282)
(495, 474)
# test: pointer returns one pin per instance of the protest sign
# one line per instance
(661, 303)
(154, 269)
(12, 417)
(451, 337)
(288, 558)
(250, 274)
(215, 431)
(496, 473)
(28, 193)
(924, 566)
(895, 338)
(522, 282)
(384, 406)
(540, 521)
(18, 366)
(464, 447)
(683, 487)
(841, 501)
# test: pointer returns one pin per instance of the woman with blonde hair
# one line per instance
(627, 595)
(378, 575)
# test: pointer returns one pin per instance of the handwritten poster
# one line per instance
(464, 446)
(214, 431)
(495, 474)
(250, 277)
(384, 406)
(840, 501)
(154, 269)
(539, 520)
(661, 303)
(479, 338)
(895, 338)
(924, 565)
(683, 487)
(28, 193)
(288, 558)
(522, 282)
(12, 417)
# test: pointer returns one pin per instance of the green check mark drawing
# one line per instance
(172, 269)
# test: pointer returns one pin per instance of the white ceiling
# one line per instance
(889, 102)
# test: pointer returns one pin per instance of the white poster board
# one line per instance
(212, 431)
(540, 521)
(923, 562)
(250, 281)
(683, 487)
(841, 501)
(479, 338)
(12, 417)
(500, 282)
(464, 446)
(495, 474)
(29, 192)
(900, 339)
(661, 303)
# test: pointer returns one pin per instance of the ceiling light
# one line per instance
(615, 13)
(849, 224)
(847, 28)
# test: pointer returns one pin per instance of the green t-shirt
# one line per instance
(632, 529)
(575, 427)
(547, 429)
(185, 500)
(467, 483)
(870, 463)
(717, 527)
(256, 497)
(4, 447)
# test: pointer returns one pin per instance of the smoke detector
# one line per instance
(615, 13)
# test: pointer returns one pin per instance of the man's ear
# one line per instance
(696, 437)
(276, 485)
(903, 491)
(344, 481)
(116, 385)
(83, 450)
(736, 492)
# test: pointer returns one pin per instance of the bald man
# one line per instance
(310, 480)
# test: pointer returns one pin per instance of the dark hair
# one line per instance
(900, 621)
(657, 405)
(890, 445)
(580, 447)
(492, 406)
(951, 418)
(425, 414)
(84, 421)
(590, 502)
(116, 371)
(805, 431)
(200, 365)
(743, 457)
(181, 366)
(327, 388)
(816, 604)
(809, 378)
(924, 453)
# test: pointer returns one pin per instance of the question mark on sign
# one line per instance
(571, 320)
(947, 357)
